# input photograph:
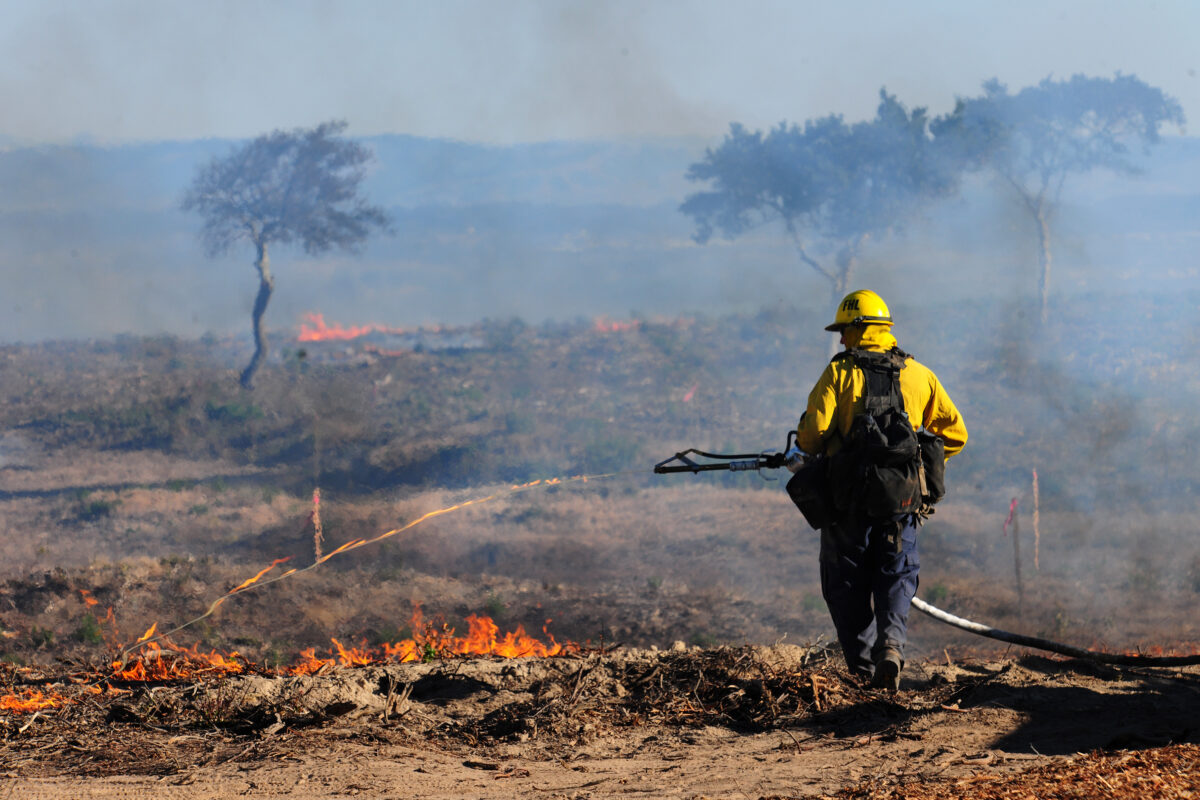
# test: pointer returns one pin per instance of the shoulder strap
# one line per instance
(882, 374)
(841, 355)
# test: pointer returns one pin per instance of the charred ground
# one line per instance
(782, 721)
(136, 471)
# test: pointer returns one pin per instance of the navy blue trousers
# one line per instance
(869, 588)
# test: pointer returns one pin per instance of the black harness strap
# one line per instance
(882, 374)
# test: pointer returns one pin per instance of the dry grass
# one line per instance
(141, 475)
(606, 561)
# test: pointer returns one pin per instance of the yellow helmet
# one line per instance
(861, 306)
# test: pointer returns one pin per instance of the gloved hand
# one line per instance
(794, 458)
(773, 461)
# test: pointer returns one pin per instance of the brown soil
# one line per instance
(752, 722)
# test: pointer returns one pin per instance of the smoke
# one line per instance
(92, 245)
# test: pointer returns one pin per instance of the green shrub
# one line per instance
(472, 394)
(89, 510)
(88, 631)
(232, 412)
(937, 593)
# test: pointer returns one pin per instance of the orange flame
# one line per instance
(149, 632)
(314, 329)
(30, 701)
(256, 578)
(171, 662)
(483, 639)
(353, 656)
(88, 599)
(148, 665)
(310, 665)
(606, 325)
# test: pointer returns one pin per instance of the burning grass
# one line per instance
(785, 711)
(476, 701)
(28, 701)
(155, 659)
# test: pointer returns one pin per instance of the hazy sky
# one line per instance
(524, 70)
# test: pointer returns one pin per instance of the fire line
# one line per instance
(256, 582)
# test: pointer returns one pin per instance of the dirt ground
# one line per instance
(746, 722)
(685, 599)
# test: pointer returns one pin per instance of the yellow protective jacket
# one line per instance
(838, 398)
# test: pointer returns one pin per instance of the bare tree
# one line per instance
(284, 187)
(1037, 137)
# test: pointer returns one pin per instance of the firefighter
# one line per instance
(869, 566)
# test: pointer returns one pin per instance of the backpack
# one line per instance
(885, 468)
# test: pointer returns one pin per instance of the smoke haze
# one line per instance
(94, 244)
(533, 158)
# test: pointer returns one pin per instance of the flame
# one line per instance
(687, 398)
(407, 650)
(353, 657)
(29, 701)
(310, 665)
(430, 641)
(1182, 649)
(256, 578)
(88, 599)
(163, 660)
(314, 329)
(149, 632)
(606, 325)
(482, 640)
(169, 662)
(518, 642)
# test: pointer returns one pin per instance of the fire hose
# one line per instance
(1133, 660)
(696, 461)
